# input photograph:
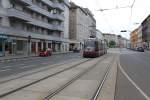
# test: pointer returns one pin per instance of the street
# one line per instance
(135, 86)
(72, 77)
(16, 67)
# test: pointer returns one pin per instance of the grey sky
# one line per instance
(113, 21)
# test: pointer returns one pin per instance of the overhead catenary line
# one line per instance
(105, 19)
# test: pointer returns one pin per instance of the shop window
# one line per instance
(0, 21)
(1, 46)
(20, 45)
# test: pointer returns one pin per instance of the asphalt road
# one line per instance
(133, 81)
(15, 67)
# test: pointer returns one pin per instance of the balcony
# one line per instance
(58, 28)
(59, 17)
(41, 24)
(22, 33)
(12, 12)
(46, 13)
(23, 2)
(58, 6)
(48, 2)
(41, 11)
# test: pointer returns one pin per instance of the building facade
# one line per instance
(65, 45)
(99, 34)
(146, 32)
(82, 25)
(123, 42)
(110, 37)
(140, 39)
(134, 38)
(28, 26)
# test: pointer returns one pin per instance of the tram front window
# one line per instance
(89, 45)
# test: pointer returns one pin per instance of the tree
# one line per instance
(112, 44)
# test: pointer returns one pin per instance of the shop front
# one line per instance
(56, 46)
(3, 39)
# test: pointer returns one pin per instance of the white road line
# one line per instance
(5, 70)
(21, 64)
(7, 67)
(136, 86)
(27, 66)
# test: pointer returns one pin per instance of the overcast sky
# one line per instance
(113, 21)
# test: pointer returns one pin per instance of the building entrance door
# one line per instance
(1, 47)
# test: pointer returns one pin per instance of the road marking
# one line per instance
(5, 70)
(21, 64)
(28, 66)
(136, 86)
(7, 67)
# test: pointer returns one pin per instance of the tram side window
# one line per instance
(96, 46)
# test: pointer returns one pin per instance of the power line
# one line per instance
(105, 17)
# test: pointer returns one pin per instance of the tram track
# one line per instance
(44, 78)
(76, 77)
(34, 72)
(100, 86)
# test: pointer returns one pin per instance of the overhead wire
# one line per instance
(105, 18)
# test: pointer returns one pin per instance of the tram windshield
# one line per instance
(89, 44)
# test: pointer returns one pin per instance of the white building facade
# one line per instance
(99, 34)
(28, 26)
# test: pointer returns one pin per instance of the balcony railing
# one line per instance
(59, 6)
(58, 27)
(40, 10)
(59, 17)
(22, 33)
(12, 12)
(48, 2)
(27, 2)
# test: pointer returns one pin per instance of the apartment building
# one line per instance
(123, 42)
(82, 25)
(134, 38)
(65, 45)
(146, 32)
(28, 26)
(140, 39)
(99, 34)
(110, 37)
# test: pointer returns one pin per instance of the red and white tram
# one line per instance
(94, 47)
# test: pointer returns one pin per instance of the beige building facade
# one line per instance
(82, 25)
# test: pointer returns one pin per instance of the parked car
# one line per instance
(45, 53)
(140, 49)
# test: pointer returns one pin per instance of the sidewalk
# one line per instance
(9, 58)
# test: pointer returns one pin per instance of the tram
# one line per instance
(94, 47)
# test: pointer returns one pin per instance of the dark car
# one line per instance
(140, 49)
